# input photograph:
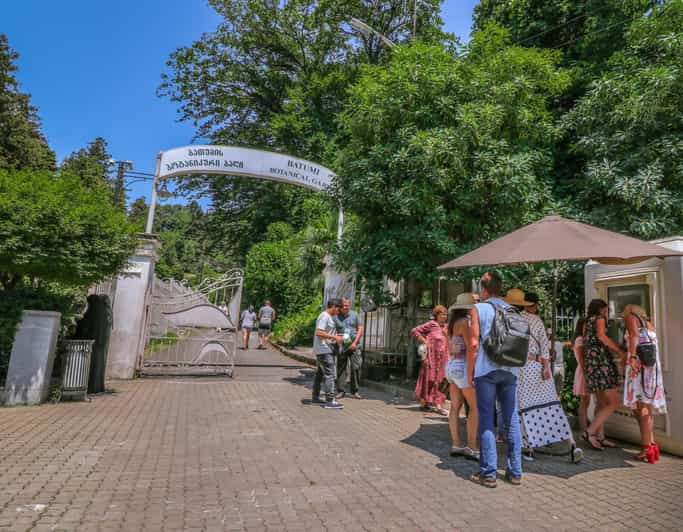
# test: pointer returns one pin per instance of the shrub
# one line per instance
(298, 328)
(56, 229)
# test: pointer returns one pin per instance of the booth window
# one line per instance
(617, 298)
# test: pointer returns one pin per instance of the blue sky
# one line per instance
(93, 67)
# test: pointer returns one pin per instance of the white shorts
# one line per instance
(456, 372)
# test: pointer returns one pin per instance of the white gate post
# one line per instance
(131, 306)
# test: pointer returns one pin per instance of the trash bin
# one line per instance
(76, 368)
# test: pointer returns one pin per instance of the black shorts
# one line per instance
(264, 328)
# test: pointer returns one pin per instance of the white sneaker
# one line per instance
(334, 404)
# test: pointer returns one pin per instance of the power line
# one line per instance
(619, 23)
(585, 15)
(579, 17)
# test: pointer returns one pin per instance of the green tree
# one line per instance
(588, 31)
(441, 153)
(273, 272)
(137, 214)
(55, 229)
(91, 164)
(22, 144)
(274, 75)
(628, 132)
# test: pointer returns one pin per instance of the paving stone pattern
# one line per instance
(249, 454)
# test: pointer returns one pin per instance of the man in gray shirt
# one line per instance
(350, 353)
(325, 343)
(266, 317)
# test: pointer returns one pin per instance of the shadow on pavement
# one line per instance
(435, 439)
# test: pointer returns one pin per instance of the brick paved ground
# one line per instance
(246, 454)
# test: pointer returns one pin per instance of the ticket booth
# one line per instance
(657, 286)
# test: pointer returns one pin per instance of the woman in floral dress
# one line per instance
(600, 371)
(643, 385)
(433, 368)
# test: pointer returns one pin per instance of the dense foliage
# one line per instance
(285, 266)
(55, 229)
(442, 153)
(587, 31)
(297, 328)
(628, 132)
(274, 75)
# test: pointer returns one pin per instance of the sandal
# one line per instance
(642, 456)
(589, 437)
(458, 451)
(471, 454)
(607, 443)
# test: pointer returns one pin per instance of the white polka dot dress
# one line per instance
(542, 417)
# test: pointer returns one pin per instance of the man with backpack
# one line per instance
(499, 346)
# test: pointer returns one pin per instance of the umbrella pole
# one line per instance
(553, 324)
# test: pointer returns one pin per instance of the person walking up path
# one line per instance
(266, 317)
(325, 341)
(247, 322)
(492, 381)
(350, 356)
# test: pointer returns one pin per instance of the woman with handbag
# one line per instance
(643, 382)
(432, 335)
(456, 372)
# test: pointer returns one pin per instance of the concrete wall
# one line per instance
(668, 310)
(131, 310)
(32, 358)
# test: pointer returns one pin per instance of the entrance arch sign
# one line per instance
(235, 161)
(248, 162)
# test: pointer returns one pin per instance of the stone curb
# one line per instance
(396, 391)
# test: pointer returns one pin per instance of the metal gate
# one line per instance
(193, 331)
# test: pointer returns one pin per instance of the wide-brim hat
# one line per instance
(515, 297)
(463, 301)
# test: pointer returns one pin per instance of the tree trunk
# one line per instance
(9, 280)
(413, 294)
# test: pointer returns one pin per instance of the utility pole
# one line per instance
(119, 184)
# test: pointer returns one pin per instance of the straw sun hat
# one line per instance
(463, 301)
(515, 297)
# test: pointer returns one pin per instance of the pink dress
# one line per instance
(579, 381)
(432, 373)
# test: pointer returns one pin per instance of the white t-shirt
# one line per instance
(326, 323)
(248, 319)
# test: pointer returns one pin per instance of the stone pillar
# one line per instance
(33, 354)
(132, 310)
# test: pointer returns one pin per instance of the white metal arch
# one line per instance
(248, 162)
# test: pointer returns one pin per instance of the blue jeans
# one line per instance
(502, 385)
(326, 374)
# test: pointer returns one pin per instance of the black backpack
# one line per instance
(508, 342)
